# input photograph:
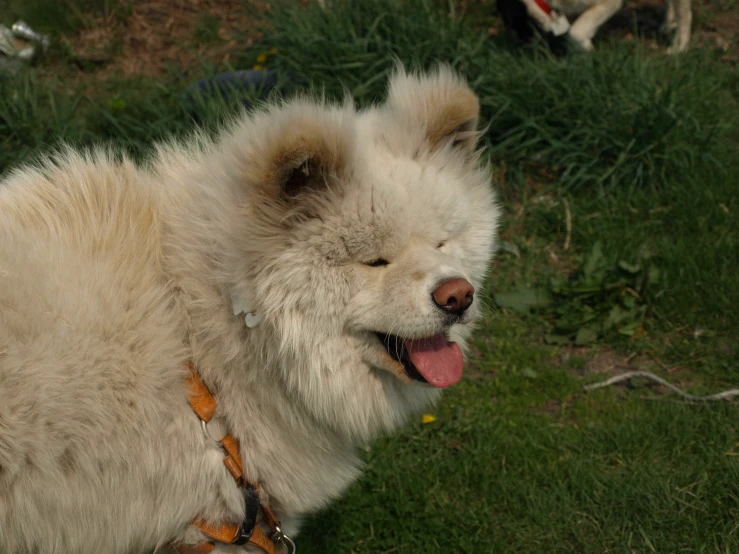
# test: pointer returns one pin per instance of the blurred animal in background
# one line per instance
(519, 15)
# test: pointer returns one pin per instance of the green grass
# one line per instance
(613, 119)
(641, 149)
(132, 113)
(206, 29)
(520, 460)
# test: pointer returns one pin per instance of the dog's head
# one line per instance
(365, 240)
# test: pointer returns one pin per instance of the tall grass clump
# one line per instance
(130, 114)
(32, 117)
(613, 118)
(351, 45)
(616, 119)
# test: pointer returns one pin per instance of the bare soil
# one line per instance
(153, 37)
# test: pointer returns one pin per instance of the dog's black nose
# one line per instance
(454, 296)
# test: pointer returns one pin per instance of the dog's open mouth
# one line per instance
(433, 360)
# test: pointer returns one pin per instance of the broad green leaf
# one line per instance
(558, 284)
(630, 328)
(529, 373)
(615, 316)
(628, 301)
(595, 260)
(630, 268)
(524, 300)
(586, 335)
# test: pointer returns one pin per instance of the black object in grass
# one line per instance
(247, 86)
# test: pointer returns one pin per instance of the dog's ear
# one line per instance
(440, 103)
(302, 148)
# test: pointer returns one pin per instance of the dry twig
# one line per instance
(725, 395)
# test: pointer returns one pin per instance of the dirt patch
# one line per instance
(571, 355)
(150, 37)
(552, 408)
(601, 361)
(606, 362)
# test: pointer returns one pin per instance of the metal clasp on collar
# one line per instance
(281, 538)
(208, 436)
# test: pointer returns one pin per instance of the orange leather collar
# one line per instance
(249, 531)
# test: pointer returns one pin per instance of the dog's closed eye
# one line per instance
(379, 262)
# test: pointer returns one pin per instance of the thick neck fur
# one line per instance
(302, 463)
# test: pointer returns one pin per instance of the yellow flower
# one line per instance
(261, 58)
(273, 51)
(428, 418)
(257, 67)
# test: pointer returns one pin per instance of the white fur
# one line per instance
(113, 275)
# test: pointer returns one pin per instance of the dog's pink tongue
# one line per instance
(438, 360)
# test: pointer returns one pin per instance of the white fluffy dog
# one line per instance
(303, 283)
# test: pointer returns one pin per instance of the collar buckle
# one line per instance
(251, 501)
